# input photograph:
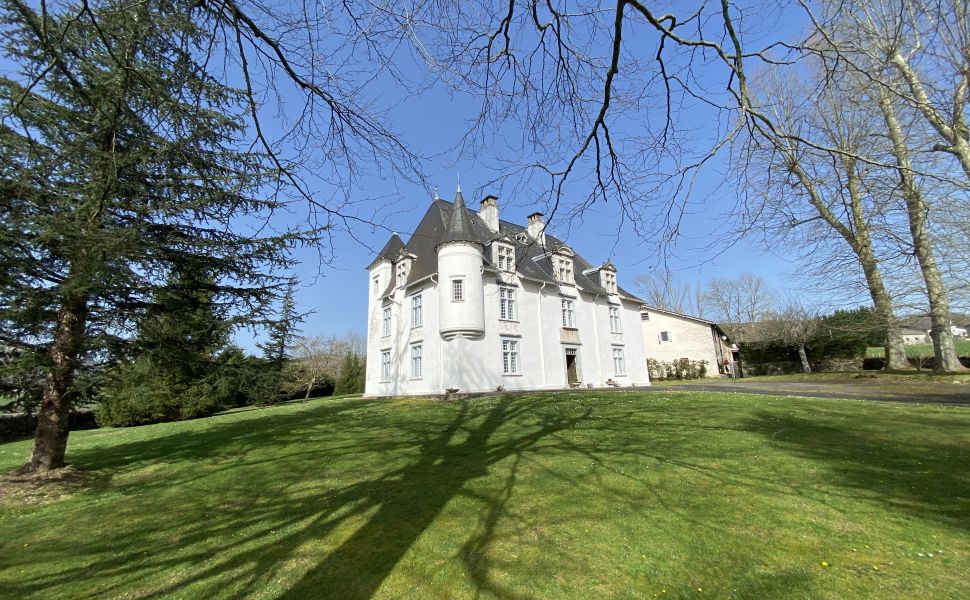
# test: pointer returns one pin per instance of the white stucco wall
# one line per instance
(475, 364)
(460, 260)
(689, 339)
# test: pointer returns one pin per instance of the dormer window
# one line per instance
(609, 282)
(403, 268)
(505, 257)
(564, 269)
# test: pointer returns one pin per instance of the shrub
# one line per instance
(137, 393)
(679, 369)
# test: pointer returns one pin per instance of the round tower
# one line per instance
(461, 294)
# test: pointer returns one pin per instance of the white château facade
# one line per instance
(472, 303)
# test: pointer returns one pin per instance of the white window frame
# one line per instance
(386, 321)
(511, 363)
(505, 257)
(377, 285)
(386, 365)
(665, 333)
(565, 269)
(506, 301)
(417, 361)
(609, 282)
(615, 319)
(417, 310)
(568, 310)
(458, 289)
(402, 272)
(619, 361)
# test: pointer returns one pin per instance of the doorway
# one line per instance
(572, 370)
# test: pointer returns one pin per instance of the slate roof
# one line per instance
(459, 225)
(533, 261)
(389, 251)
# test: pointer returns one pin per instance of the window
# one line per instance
(387, 321)
(619, 364)
(417, 314)
(386, 365)
(609, 282)
(568, 313)
(510, 357)
(506, 303)
(665, 336)
(506, 258)
(457, 290)
(402, 272)
(644, 316)
(416, 366)
(377, 285)
(614, 319)
(565, 270)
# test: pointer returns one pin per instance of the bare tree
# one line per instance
(317, 359)
(915, 50)
(820, 201)
(739, 303)
(794, 324)
(589, 96)
(665, 292)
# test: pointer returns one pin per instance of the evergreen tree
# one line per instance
(122, 161)
(183, 366)
(282, 332)
(184, 330)
(351, 379)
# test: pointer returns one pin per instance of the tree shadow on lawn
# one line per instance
(342, 537)
(921, 475)
(254, 542)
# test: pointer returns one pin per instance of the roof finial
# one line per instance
(459, 182)
(436, 197)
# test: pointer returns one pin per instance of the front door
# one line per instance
(572, 373)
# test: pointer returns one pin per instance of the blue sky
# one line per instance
(431, 119)
(336, 293)
(432, 122)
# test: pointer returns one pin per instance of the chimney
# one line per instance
(536, 226)
(489, 212)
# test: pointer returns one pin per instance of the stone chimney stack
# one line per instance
(489, 212)
(536, 226)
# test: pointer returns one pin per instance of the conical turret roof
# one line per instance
(459, 227)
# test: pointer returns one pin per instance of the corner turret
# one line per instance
(461, 294)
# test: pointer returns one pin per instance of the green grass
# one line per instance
(592, 495)
(917, 350)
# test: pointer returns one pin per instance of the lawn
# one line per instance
(917, 350)
(592, 495)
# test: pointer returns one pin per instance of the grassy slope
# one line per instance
(925, 350)
(619, 494)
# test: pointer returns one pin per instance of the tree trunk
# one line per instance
(861, 243)
(309, 388)
(895, 349)
(50, 438)
(916, 209)
(859, 239)
(806, 367)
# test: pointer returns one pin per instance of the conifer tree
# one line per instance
(122, 161)
(282, 332)
(351, 379)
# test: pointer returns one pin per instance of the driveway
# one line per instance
(858, 388)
